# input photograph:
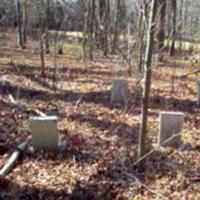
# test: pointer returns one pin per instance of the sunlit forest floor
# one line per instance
(101, 137)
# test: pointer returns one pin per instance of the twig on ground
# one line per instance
(137, 180)
(155, 149)
(25, 107)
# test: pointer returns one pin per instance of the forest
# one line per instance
(99, 99)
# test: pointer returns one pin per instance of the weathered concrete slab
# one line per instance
(44, 133)
(119, 91)
(171, 124)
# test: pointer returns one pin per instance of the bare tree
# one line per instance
(147, 80)
(18, 13)
(161, 27)
(173, 34)
(89, 29)
(116, 25)
(42, 57)
(47, 26)
(104, 26)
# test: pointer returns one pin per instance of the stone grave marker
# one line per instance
(119, 91)
(171, 123)
(44, 133)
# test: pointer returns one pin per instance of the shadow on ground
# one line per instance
(101, 97)
(173, 104)
(10, 190)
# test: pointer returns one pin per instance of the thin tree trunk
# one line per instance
(85, 31)
(116, 27)
(55, 62)
(42, 56)
(141, 35)
(173, 36)
(107, 28)
(25, 16)
(104, 15)
(20, 24)
(147, 81)
(47, 27)
(161, 27)
(181, 27)
(129, 46)
(102, 10)
(91, 31)
(19, 37)
(168, 24)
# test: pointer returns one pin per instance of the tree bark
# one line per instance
(19, 36)
(161, 26)
(42, 56)
(181, 26)
(173, 35)
(91, 29)
(55, 62)
(147, 81)
(85, 31)
(116, 27)
(141, 34)
(104, 15)
(47, 27)
(25, 20)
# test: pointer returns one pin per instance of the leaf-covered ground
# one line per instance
(98, 161)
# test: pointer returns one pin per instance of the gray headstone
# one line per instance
(171, 124)
(198, 92)
(44, 133)
(119, 91)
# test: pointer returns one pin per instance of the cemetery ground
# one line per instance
(101, 138)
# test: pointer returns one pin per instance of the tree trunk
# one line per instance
(116, 27)
(91, 30)
(85, 31)
(55, 62)
(42, 56)
(19, 36)
(161, 27)
(168, 24)
(25, 16)
(129, 46)
(141, 34)
(173, 35)
(104, 15)
(147, 81)
(181, 26)
(47, 27)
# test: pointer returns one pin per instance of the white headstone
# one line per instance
(44, 133)
(119, 91)
(171, 124)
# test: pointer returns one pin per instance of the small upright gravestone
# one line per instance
(198, 94)
(171, 124)
(119, 91)
(44, 133)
